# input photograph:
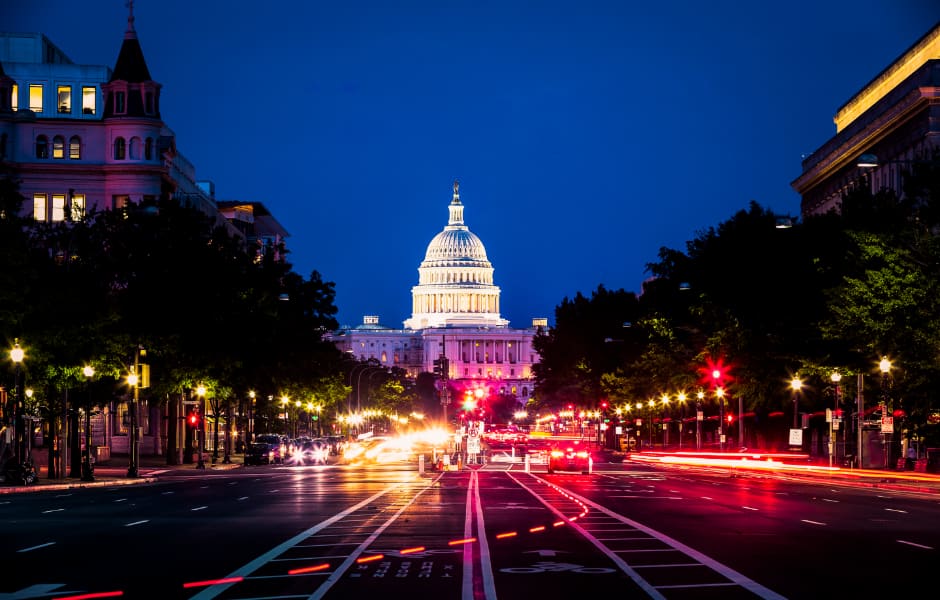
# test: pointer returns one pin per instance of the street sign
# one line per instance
(473, 445)
(796, 437)
(887, 424)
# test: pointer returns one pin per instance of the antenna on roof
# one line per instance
(130, 33)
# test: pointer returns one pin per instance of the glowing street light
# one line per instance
(201, 431)
(88, 469)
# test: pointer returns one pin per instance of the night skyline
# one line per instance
(585, 137)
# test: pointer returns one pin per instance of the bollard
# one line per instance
(527, 463)
(421, 464)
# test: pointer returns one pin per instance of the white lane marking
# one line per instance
(167, 493)
(749, 508)
(897, 510)
(243, 498)
(831, 500)
(915, 545)
(270, 555)
(62, 495)
(31, 548)
(52, 510)
(136, 523)
(121, 500)
(199, 508)
(728, 572)
(812, 522)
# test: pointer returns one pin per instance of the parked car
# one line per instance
(261, 453)
(571, 456)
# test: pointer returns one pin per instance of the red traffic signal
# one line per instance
(193, 419)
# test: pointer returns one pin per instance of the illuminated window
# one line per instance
(75, 147)
(39, 207)
(119, 103)
(148, 149)
(42, 147)
(65, 99)
(78, 207)
(58, 147)
(58, 207)
(88, 100)
(120, 202)
(119, 149)
(14, 101)
(35, 98)
(123, 419)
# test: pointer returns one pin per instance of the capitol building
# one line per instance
(455, 315)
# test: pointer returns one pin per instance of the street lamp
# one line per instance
(720, 392)
(836, 377)
(699, 417)
(796, 384)
(201, 427)
(88, 469)
(885, 367)
(134, 381)
(19, 437)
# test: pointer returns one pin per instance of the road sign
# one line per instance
(473, 445)
(887, 424)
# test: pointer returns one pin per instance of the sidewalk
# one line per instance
(112, 473)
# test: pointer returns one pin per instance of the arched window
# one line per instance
(58, 147)
(119, 149)
(75, 147)
(148, 149)
(133, 152)
(42, 147)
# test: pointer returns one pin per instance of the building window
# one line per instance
(133, 149)
(119, 149)
(123, 420)
(3, 146)
(39, 207)
(14, 100)
(42, 147)
(119, 103)
(148, 149)
(35, 98)
(65, 99)
(88, 100)
(58, 147)
(75, 147)
(58, 207)
(120, 202)
(77, 209)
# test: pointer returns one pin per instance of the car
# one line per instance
(278, 443)
(571, 456)
(261, 453)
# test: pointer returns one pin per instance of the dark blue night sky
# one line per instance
(585, 134)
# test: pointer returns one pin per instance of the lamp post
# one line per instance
(885, 367)
(17, 355)
(88, 469)
(796, 384)
(836, 377)
(133, 380)
(720, 392)
(201, 427)
(699, 417)
(250, 427)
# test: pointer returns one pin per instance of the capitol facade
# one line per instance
(455, 315)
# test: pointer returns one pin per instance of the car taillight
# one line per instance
(557, 453)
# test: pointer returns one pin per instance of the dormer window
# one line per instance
(120, 106)
(148, 103)
(65, 99)
(88, 100)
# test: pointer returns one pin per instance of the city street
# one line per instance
(483, 532)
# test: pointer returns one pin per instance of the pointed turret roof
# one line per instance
(131, 66)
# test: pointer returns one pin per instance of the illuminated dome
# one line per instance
(455, 279)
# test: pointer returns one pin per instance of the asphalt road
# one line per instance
(496, 531)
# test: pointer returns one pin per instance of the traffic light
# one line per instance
(442, 367)
(193, 419)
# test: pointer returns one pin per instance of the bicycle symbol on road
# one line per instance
(557, 567)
